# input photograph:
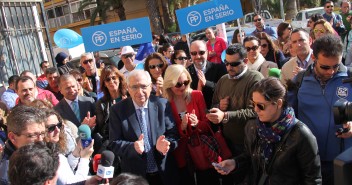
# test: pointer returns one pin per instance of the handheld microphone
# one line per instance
(85, 134)
(105, 169)
(96, 162)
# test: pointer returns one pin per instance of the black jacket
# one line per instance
(297, 162)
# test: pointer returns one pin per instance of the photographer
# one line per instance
(319, 87)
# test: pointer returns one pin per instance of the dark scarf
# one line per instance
(271, 134)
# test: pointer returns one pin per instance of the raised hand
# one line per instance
(90, 121)
(139, 144)
(162, 145)
(193, 118)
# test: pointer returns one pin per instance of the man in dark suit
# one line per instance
(204, 74)
(72, 107)
(143, 133)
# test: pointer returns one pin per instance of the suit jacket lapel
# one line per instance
(83, 108)
(68, 110)
(153, 119)
(132, 117)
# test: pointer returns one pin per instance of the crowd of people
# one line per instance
(271, 97)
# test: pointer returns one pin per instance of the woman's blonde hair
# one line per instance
(172, 73)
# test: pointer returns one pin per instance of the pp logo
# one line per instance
(194, 18)
(65, 41)
(99, 38)
(108, 173)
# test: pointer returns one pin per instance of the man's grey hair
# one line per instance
(138, 72)
(85, 55)
(21, 116)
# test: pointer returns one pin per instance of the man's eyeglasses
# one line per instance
(257, 20)
(108, 79)
(254, 48)
(51, 128)
(136, 87)
(86, 61)
(33, 136)
(316, 30)
(264, 45)
(180, 84)
(182, 58)
(156, 66)
(289, 28)
(194, 53)
(128, 56)
(232, 64)
(331, 6)
(324, 67)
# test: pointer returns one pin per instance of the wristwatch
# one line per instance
(226, 118)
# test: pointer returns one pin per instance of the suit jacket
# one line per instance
(85, 104)
(124, 130)
(213, 72)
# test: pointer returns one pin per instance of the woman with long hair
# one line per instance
(323, 27)
(236, 38)
(155, 64)
(113, 85)
(284, 31)
(279, 148)
(269, 50)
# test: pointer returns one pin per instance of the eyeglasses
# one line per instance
(33, 136)
(260, 106)
(108, 79)
(289, 28)
(136, 87)
(156, 66)
(316, 30)
(232, 64)
(331, 6)
(264, 45)
(324, 67)
(194, 53)
(257, 20)
(180, 84)
(171, 51)
(254, 48)
(128, 56)
(86, 61)
(182, 58)
(79, 79)
(51, 128)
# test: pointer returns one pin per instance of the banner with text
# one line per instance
(115, 35)
(208, 14)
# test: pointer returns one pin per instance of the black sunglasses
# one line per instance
(182, 58)
(257, 20)
(261, 106)
(108, 79)
(330, 6)
(156, 66)
(264, 45)
(329, 67)
(86, 61)
(180, 84)
(194, 53)
(254, 48)
(128, 56)
(232, 64)
(51, 128)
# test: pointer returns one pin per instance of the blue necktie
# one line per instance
(75, 109)
(151, 164)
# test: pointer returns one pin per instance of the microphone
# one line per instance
(96, 162)
(105, 168)
(85, 135)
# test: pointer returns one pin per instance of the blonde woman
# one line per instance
(188, 108)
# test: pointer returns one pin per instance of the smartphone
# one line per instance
(217, 165)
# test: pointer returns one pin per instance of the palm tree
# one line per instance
(103, 7)
(154, 15)
(291, 9)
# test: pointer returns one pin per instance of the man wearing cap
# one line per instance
(128, 56)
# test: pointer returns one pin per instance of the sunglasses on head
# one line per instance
(194, 53)
(254, 48)
(264, 45)
(156, 66)
(324, 67)
(180, 84)
(257, 20)
(232, 64)
(86, 61)
(182, 58)
(51, 128)
(108, 79)
(128, 56)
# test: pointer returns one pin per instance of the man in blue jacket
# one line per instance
(319, 89)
